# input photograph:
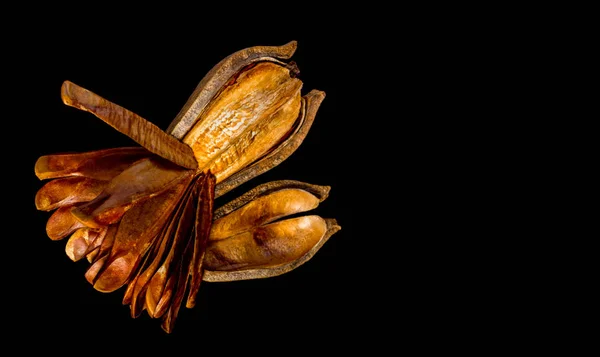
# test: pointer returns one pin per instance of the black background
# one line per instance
(402, 139)
(151, 68)
(418, 137)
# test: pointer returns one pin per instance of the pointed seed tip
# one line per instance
(333, 225)
(316, 94)
(323, 192)
(66, 85)
(41, 169)
(289, 48)
(38, 168)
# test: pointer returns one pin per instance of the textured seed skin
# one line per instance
(219, 76)
(250, 116)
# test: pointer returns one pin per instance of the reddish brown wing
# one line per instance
(137, 232)
(204, 218)
(100, 164)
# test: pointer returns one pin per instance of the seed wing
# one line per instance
(137, 128)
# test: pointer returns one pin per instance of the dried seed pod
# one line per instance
(218, 77)
(251, 238)
(143, 217)
(267, 245)
(247, 116)
(276, 155)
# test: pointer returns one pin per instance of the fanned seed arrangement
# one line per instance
(144, 217)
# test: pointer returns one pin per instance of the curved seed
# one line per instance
(140, 295)
(100, 164)
(266, 246)
(259, 273)
(98, 262)
(92, 273)
(62, 223)
(136, 288)
(321, 192)
(216, 79)
(67, 191)
(163, 303)
(263, 210)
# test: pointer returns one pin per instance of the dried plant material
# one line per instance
(271, 271)
(99, 165)
(245, 245)
(95, 244)
(137, 128)
(258, 141)
(273, 244)
(218, 77)
(152, 281)
(162, 305)
(145, 217)
(94, 269)
(103, 251)
(139, 227)
(68, 191)
(202, 229)
(180, 278)
(263, 210)
(106, 244)
(182, 234)
(79, 243)
(260, 96)
(62, 223)
(276, 155)
(136, 293)
(142, 180)
(137, 286)
(320, 192)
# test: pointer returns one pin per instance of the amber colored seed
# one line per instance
(262, 210)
